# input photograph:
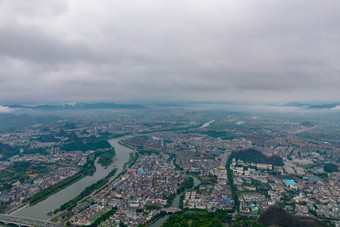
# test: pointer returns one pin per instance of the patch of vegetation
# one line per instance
(233, 188)
(147, 152)
(170, 199)
(277, 216)
(84, 132)
(323, 176)
(198, 218)
(106, 158)
(22, 172)
(48, 138)
(104, 217)
(82, 146)
(243, 220)
(152, 208)
(7, 151)
(252, 155)
(330, 168)
(108, 135)
(62, 133)
(132, 160)
(69, 125)
(307, 124)
(174, 157)
(36, 151)
(154, 181)
(189, 183)
(206, 180)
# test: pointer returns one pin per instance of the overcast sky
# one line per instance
(179, 50)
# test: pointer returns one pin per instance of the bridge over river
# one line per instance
(171, 210)
(22, 221)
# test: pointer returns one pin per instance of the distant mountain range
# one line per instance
(78, 106)
(102, 105)
(313, 106)
(19, 117)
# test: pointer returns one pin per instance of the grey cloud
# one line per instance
(170, 50)
(32, 44)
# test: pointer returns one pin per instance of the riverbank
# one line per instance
(40, 210)
(19, 208)
(87, 191)
(88, 169)
(99, 184)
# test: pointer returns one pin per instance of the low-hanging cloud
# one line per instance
(5, 109)
(169, 50)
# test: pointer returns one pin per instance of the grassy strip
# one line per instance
(198, 218)
(125, 145)
(131, 159)
(233, 188)
(87, 191)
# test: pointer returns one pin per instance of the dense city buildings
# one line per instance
(179, 161)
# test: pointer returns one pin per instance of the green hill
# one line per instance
(330, 168)
(82, 146)
(277, 216)
(252, 155)
(307, 124)
(7, 151)
(48, 138)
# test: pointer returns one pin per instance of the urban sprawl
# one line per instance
(186, 162)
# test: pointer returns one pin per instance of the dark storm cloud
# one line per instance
(169, 50)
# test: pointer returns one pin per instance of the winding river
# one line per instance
(40, 210)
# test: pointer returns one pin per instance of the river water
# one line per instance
(40, 210)
(3, 225)
(175, 204)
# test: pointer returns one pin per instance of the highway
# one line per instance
(22, 221)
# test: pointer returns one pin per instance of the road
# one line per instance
(21, 221)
